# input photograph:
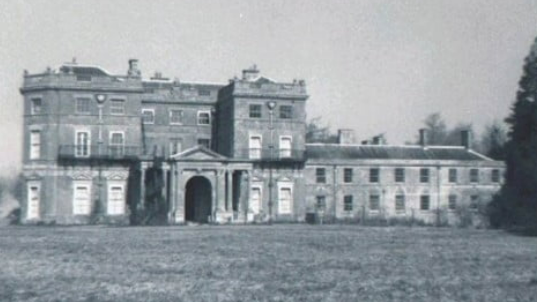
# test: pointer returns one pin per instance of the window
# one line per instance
(148, 116)
(116, 200)
(321, 203)
(117, 107)
(255, 199)
(424, 175)
(347, 175)
(400, 203)
(347, 203)
(474, 202)
(374, 174)
(34, 197)
(374, 202)
(255, 147)
(35, 144)
(82, 199)
(399, 175)
(425, 202)
(204, 92)
(285, 146)
(117, 143)
(83, 77)
(204, 118)
(176, 116)
(474, 175)
(285, 200)
(320, 175)
(204, 142)
(495, 176)
(286, 111)
(83, 105)
(82, 144)
(37, 106)
(453, 175)
(176, 146)
(452, 202)
(255, 110)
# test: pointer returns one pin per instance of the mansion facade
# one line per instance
(104, 148)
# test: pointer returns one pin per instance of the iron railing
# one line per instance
(270, 154)
(90, 152)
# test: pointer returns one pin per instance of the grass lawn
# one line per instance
(265, 263)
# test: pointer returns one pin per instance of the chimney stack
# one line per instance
(423, 137)
(133, 68)
(345, 136)
(250, 74)
(466, 139)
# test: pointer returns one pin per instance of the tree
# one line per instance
(493, 140)
(316, 132)
(516, 204)
(436, 129)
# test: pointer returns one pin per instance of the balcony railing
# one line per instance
(269, 154)
(93, 152)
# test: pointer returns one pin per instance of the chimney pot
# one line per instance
(466, 139)
(250, 74)
(133, 68)
(423, 137)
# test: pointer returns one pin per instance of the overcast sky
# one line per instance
(374, 66)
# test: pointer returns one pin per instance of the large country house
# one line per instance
(105, 148)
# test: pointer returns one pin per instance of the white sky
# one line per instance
(371, 65)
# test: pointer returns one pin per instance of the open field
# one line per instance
(265, 263)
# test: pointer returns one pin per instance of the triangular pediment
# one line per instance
(198, 153)
(263, 80)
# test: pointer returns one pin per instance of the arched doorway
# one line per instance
(198, 199)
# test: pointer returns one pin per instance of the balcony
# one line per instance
(270, 155)
(96, 152)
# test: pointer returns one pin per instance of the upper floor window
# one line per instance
(347, 175)
(176, 146)
(452, 175)
(399, 175)
(148, 116)
(285, 146)
(255, 145)
(204, 118)
(82, 144)
(176, 116)
(424, 175)
(321, 203)
(320, 175)
(83, 77)
(400, 202)
(425, 202)
(83, 105)
(495, 176)
(347, 203)
(474, 175)
(255, 110)
(286, 111)
(37, 106)
(204, 142)
(374, 175)
(35, 144)
(117, 106)
(204, 92)
(117, 143)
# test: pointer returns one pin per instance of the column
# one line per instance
(141, 204)
(229, 191)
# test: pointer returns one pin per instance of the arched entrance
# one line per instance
(198, 199)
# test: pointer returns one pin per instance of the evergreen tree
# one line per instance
(516, 204)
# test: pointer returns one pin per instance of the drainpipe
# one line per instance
(438, 195)
(334, 181)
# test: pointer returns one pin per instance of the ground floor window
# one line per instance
(116, 199)
(425, 202)
(374, 202)
(255, 199)
(34, 198)
(321, 203)
(452, 202)
(285, 200)
(347, 203)
(400, 203)
(82, 199)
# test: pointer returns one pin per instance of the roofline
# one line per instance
(387, 146)
(90, 66)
